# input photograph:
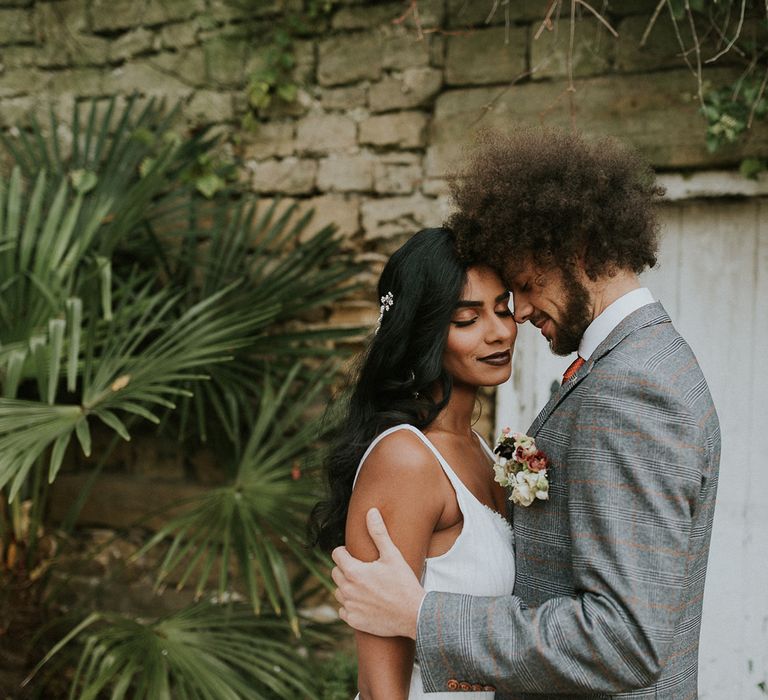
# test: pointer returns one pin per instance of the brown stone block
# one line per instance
(662, 47)
(401, 129)
(403, 49)
(367, 16)
(16, 26)
(110, 15)
(19, 56)
(342, 173)
(207, 106)
(225, 57)
(131, 44)
(471, 13)
(343, 98)
(485, 56)
(398, 173)
(270, 139)
(61, 31)
(354, 313)
(413, 87)
(655, 112)
(390, 217)
(187, 65)
(23, 81)
(145, 78)
(325, 133)
(634, 7)
(347, 59)
(164, 11)
(289, 175)
(179, 35)
(430, 15)
(16, 111)
(339, 210)
(593, 51)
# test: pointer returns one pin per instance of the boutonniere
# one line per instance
(521, 466)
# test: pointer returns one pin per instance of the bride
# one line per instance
(407, 446)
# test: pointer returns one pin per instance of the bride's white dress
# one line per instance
(480, 562)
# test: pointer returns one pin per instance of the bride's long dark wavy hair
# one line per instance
(402, 362)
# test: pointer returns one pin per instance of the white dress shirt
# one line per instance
(612, 316)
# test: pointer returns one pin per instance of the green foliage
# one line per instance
(730, 111)
(261, 514)
(275, 81)
(135, 293)
(206, 651)
(338, 677)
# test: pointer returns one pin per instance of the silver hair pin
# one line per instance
(387, 302)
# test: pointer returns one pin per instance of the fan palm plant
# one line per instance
(128, 297)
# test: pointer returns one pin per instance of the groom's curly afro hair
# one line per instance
(556, 198)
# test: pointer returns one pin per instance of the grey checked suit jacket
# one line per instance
(610, 570)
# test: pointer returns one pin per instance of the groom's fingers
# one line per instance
(379, 534)
(338, 576)
(342, 558)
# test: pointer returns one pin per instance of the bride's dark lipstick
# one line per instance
(498, 359)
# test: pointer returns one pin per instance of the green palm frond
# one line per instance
(47, 249)
(206, 651)
(144, 355)
(258, 521)
(283, 266)
(128, 155)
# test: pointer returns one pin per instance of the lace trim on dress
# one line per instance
(497, 516)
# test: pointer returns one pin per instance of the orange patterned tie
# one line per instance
(572, 369)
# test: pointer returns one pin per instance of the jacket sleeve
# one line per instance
(633, 470)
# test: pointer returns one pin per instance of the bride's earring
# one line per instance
(478, 402)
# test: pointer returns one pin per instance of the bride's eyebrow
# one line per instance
(468, 304)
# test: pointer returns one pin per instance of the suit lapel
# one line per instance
(648, 315)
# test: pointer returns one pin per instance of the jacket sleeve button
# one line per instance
(489, 688)
(465, 686)
(452, 684)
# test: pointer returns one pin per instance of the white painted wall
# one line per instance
(713, 280)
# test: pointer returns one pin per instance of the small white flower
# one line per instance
(500, 475)
(522, 494)
(531, 478)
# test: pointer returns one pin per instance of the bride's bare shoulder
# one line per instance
(401, 455)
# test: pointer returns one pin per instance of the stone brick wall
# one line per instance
(389, 98)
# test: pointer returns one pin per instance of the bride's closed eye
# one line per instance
(463, 323)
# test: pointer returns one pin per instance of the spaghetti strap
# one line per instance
(458, 484)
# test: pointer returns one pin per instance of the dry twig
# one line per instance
(735, 36)
(652, 21)
(546, 23)
(600, 17)
(413, 9)
(696, 45)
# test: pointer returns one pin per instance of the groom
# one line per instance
(610, 570)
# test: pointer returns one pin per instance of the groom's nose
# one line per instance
(522, 308)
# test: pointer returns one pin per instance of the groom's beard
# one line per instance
(576, 317)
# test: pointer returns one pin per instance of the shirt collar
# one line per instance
(612, 316)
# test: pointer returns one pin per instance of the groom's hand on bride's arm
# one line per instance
(381, 597)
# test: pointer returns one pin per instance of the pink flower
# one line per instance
(538, 462)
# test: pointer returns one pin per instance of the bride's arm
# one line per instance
(402, 478)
